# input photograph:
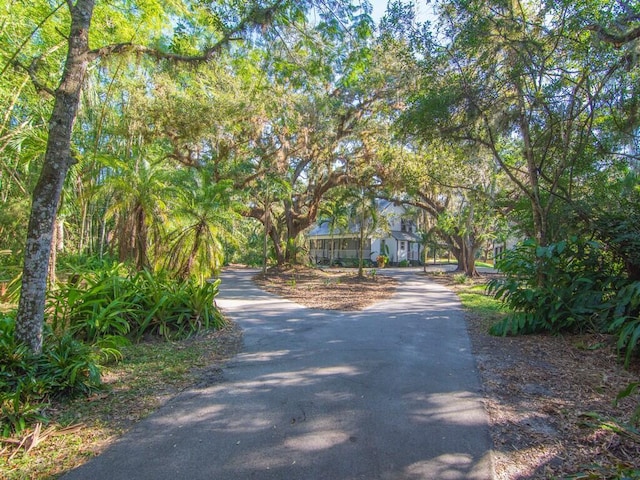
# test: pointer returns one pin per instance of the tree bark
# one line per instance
(464, 250)
(46, 195)
(361, 252)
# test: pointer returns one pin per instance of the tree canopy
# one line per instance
(174, 134)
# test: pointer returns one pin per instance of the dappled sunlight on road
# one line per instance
(293, 378)
(316, 440)
(248, 423)
(449, 407)
(449, 466)
(264, 356)
(388, 393)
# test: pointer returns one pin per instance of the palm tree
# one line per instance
(335, 213)
(137, 207)
(204, 218)
(365, 210)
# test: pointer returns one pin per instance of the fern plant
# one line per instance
(626, 323)
(566, 286)
(66, 368)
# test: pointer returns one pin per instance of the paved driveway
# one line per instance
(390, 392)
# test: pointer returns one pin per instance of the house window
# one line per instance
(402, 245)
(406, 225)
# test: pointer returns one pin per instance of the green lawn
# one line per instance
(477, 302)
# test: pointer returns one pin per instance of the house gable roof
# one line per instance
(322, 230)
(405, 236)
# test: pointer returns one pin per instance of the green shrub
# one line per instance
(175, 309)
(95, 304)
(100, 308)
(626, 322)
(66, 368)
(403, 263)
(69, 366)
(567, 286)
(110, 304)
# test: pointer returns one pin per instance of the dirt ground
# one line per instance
(330, 290)
(549, 398)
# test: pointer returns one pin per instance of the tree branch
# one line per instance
(616, 39)
(257, 17)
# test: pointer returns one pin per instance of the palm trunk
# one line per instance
(185, 271)
(140, 239)
(46, 195)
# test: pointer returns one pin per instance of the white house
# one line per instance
(394, 236)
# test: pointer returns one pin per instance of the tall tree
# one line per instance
(518, 79)
(621, 27)
(216, 25)
(204, 220)
(136, 189)
(311, 138)
(456, 188)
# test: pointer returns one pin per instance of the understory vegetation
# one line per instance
(149, 373)
(568, 419)
(91, 317)
(574, 285)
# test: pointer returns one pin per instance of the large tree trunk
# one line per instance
(46, 195)
(361, 239)
(468, 255)
(277, 248)
(464, 250)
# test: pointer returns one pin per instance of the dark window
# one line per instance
(406, 225)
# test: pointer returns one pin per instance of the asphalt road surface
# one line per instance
(390, 393)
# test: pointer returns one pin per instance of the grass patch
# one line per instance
(478, 303)
(150, 374)
(484, 264)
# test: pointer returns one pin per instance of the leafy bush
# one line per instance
(94, 304)
(175, 309)
(626, 322)
(403, 263)
(66, 368)
(567, 286)
(615, 221)
(101, 308)
(110, 304)
(570, 285)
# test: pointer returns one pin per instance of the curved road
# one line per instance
(390, 392)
